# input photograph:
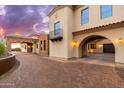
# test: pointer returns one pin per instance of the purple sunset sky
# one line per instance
(24, 19)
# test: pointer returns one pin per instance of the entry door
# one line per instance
(108, 48)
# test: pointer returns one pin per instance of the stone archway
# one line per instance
(84, 45)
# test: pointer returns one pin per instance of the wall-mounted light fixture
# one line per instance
(74, 43)
(120, 40)
(90, 50)
(29, 46)
(99, 45)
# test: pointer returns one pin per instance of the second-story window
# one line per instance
(85, 16)
(57, 28)
(106, 11)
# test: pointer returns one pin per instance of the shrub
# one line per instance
(2, 49)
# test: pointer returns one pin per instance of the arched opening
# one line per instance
(16, 46)
(21, 47)
(29, 47)
(97, 47)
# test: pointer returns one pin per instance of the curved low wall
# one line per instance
(7, 63)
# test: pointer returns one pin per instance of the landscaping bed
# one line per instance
(5, 55)
(6, 63)
(7, 60)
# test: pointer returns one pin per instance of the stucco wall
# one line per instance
(70, 21)
(23, 47)
(43, 52)
(38, 48)
(62, 48)
(113, 35)
(94, 16)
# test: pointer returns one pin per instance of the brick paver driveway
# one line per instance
(34, 71)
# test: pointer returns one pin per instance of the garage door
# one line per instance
(108, 48)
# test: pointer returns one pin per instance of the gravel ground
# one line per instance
(35, 71)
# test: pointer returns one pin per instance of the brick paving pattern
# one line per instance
(35, 71)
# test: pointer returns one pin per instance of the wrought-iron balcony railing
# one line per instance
(56, 35)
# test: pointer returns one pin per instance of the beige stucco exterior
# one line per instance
(94, 16)
(24, 47)
(44, 46)
(65, 16)
(70, 21)
(112, 35)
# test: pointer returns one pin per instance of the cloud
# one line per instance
(45, 19)
(24, 18)
(29, 11)
(2, 11)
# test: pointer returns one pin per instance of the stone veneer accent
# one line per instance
(7, 63)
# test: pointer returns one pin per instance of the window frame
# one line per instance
(41, 45)
(101, 12)
(37, 45)
(44, 45)
(55, 26)
(82, 15)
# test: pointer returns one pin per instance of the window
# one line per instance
(44, 45)
(85, 16)
(41, 45)
(93, 46)
(106, 11)
(57, 28)
(25, 46)
(37, 45)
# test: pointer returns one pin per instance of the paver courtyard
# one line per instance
(34, 71)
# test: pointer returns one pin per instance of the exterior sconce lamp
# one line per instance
(90, 50)
(74, 43)
(120, 40)
(29, 47)
(100, 46)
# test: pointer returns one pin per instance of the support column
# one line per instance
(34, 48)
(119, 53)
(8, 46)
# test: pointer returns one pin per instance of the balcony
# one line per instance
(56, 36)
